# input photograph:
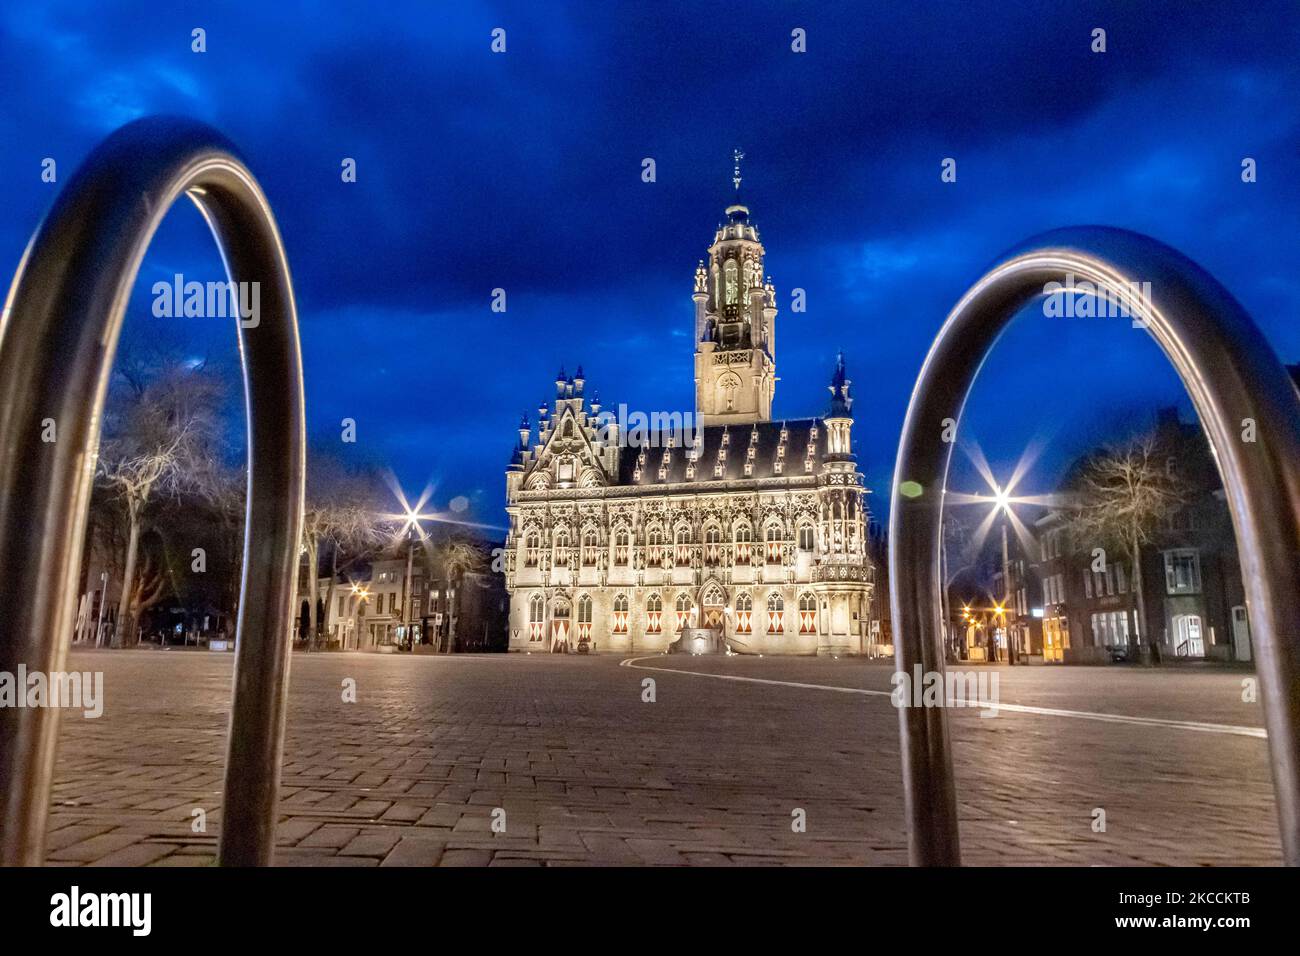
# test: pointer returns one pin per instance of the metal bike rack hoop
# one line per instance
(1231, 374)
(57, 339)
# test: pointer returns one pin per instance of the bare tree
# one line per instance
(223, 487)
(156, 427)
(1125, 493)
(456, 556)
(339, 516)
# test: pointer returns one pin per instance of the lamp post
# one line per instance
(359, 595)
(406, 585)
(1002, 503)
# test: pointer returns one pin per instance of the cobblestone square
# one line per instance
(709, 773)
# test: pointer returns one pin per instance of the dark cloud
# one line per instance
(522, 171)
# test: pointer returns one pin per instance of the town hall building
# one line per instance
(718, 530)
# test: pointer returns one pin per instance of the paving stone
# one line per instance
(707, 776)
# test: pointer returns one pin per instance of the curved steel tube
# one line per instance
(1231, 374)
(57, 339)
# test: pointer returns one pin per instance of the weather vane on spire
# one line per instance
(735, 177)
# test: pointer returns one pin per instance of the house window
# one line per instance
(1182, 572)
(712, 546)
(589, 551)
(532, 549)
(621, 539)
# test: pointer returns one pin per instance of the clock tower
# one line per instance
(735, 324)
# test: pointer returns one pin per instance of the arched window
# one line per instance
(536, 613)
(728, 385)
(658, 550)
(744, 539)
(584, 618)
(590, 553)
(683, 545)
(805, 537)
(731, 280)
(683, 611)
(532, 549)
(807, 614)
(775, 614)
(560, 541)
(772, 543)
(620, 614)
(654, 610)
(621, 547)
(744, 614)
(712, 545)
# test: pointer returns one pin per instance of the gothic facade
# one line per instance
(727, 528)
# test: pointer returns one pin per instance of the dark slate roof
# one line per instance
(769, 438)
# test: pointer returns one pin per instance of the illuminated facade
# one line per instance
(621, 536)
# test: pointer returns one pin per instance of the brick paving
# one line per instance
(708, 774)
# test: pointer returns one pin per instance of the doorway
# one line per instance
(1187, 636)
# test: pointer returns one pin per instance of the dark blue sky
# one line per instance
(522, 171)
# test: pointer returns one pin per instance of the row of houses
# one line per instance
(463, 610)
(1068, 604)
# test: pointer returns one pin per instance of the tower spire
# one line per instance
(738, 155)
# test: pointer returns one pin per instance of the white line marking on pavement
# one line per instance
(1230, 729)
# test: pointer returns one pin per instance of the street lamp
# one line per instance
(1002, 504)
(360, 594)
